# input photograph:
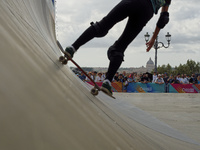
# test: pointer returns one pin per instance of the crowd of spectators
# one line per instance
(144, 78)
(156, 78)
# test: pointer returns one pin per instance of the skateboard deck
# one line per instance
(64, 59)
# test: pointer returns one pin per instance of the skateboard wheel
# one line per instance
(94, 91)
(64, 62)
(61, 58)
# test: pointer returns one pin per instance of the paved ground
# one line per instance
(181, 111)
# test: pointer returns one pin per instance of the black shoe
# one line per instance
(70, 51)
(106, 88)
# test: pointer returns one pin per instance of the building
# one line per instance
(150, 65)
(149, 68)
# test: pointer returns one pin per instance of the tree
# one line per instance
(193, 67)
(189, 68)
(169, 69)
(165, 69)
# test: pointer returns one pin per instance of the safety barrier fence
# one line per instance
(153, 88)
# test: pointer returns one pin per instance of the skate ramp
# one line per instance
(43, 105)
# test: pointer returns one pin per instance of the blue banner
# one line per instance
(145, 88)
(162, 88)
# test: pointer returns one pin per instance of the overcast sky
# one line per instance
(73, 17)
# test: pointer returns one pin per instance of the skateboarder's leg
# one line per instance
(101, 28)
(116, 51)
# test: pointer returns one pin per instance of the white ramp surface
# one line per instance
(44, 106)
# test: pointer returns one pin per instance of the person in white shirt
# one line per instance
(154, 77)
(90, 75)
(179, 78)
(99, 77)
(94, 75)
(184, 80)
(159, 80)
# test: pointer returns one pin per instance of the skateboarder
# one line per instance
(139, 12)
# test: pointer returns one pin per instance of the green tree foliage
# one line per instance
(189, 68)
(193, 67)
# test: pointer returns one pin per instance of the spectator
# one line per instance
(124, 74)
(94, 75)
(90, 75)
(166, 78)
(138, 78)
(193, 79)
(188, 77)
(116, 77)
(184, 80)
(150, 76)
(154, 77)
(127, 75)
(170, 79)
(104, 76)
(159, 80)
(125, 84)
(134, 76)
(166, 83)
(198, 79)
(99, 77)
(82, 76)
(131, 78)
(179, 78)
(145, 78)
(121, 78)
(176, 81)
(162, 76)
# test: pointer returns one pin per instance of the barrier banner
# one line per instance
(196, 87)
(185, 88)
(117, 86)
(145, 88)
(98, 83)
(154, 88)
(163, 88)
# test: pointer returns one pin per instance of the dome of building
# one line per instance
(150, 61)
(150, 65)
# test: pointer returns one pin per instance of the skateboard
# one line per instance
(64, 60)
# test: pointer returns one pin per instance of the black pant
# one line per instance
(139, 12)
